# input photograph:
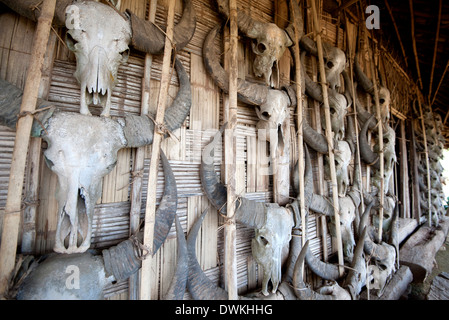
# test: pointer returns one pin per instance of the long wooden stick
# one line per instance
(415, 51)
(380, 141)
(300, 111)
(397, 32)
(136, 187)
(437, 36)
(230, 158)
(439, 84)
(13, 208)
(423, 125)
(150, 211)
(329, 136)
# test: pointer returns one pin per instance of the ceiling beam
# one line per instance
(437, 35)
(415, 51)
(439, 84)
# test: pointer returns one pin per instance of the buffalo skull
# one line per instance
(269, 40)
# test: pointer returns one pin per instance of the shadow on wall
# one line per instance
(445, 164)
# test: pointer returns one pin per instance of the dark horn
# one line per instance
(198, 284)
(358, 263)
(366, 153)
(178, 283)
(362, 79)
(324, 270)
(121, 260)
(31, 9)
(178, 111)
(250, 93)
(168, 205)
(147, 37)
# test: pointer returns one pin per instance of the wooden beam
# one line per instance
(329, 136)
(415, 51)
(230, 157)
(437, 36)
(150, 211)
(13, 209)
(138, 165)
(397, 32)
(439, 84)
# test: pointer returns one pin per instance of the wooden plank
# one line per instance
(12, 217)
(147, 273)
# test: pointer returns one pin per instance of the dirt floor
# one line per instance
(441, 264)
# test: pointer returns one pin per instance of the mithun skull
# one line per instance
(81, 151)
(269, 242)
(342, 158)
(99, 37)
(334, 64)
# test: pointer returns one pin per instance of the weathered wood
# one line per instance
(418, 252)
(415, 51)
(12, 217)
(147, 273)
(395, 288)
(230, 157)
(406, 226)
(439, 288)
(329, 136)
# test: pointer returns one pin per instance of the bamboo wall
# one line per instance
(111, 219)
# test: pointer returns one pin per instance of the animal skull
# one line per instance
(342, 158)
(268, 46)
(389, 140)
(334, 64)
(81, 151)
(269, 242)
(99, 50)
(383, 267)
(347, 216)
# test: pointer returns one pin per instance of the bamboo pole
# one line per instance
(380, 140)
(230, 158)
(437, 36)
(441, 81)
(329, 136)
(415, 51)
(300, 111)
(13, 210)
(150, 210)
(426, 152)
(136, 187)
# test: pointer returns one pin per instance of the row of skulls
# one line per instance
(273, 224)
(435, 144)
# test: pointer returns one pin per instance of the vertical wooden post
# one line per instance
(329, 136)
(13, 208)
(150, 210)
(426, 152)
(300, 113)
(136, 187)
(380, 140)
(230, 157)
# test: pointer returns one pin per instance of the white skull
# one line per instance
(81, 151)
(338, 108)
(269, 242)
(269, 46)
(99, 37)
(383, 268)
(347, 216)
(389, 140)
(334, 64)
(342, 158)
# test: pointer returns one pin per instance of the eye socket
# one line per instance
(125, 55)
(266, 114)
(381, 101)
(263, 240)
(333, 111)
(261, 47)
(49, 163)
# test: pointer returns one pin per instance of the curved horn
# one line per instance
(302, 291)
(168, 205)
(248, 212)
(250, 93)
(355, 279)
(178, 111)
(147, 37)
(139, 130)
(366, 153)
(121, 260)
(327, 271)
(198, 284)
(179, 281)
(30, 9)
(362, 79)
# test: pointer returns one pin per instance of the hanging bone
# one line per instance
(83, 149)
(99, 37)
(269, 41)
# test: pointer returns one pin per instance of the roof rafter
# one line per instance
(415, 51)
